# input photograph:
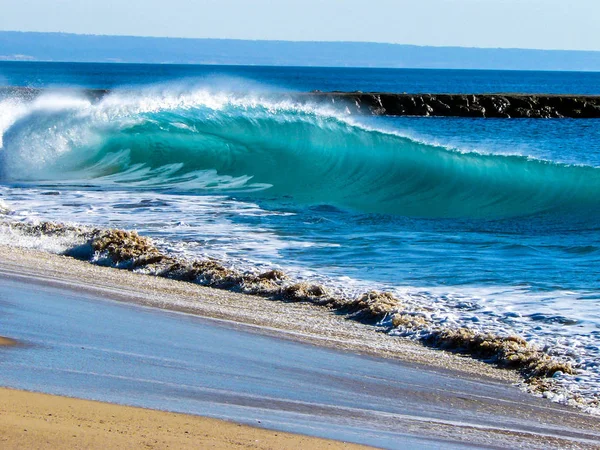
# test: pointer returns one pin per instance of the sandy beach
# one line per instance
(33, 420)
(104, 334)
(6, 342)
(295, 321)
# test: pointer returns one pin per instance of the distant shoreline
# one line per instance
(15, 60)
(54, 46)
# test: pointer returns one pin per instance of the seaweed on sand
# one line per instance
(129, 250)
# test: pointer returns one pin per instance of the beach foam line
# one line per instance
(128, 250)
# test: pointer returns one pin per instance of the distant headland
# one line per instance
(34, 46)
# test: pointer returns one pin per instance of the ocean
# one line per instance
(490, 224)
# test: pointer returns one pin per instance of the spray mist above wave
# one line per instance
(205, 141)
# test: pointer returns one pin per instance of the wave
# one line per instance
(200, 141)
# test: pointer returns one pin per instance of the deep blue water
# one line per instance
(105, 76)
(500, 215)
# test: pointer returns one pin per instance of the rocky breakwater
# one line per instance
(534, 106)
(465, 105)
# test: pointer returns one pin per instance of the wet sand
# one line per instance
(7, 342)
(295, 321)
(33, 420)
(246, 359)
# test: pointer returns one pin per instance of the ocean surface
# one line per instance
(491, 223)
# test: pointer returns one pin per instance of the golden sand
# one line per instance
(39, 421)
(7, 342)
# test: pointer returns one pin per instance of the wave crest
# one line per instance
(201, 141)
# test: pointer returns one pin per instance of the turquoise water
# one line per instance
(494, 224)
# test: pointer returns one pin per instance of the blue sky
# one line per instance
(547, 24)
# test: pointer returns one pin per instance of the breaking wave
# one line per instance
(198, 141)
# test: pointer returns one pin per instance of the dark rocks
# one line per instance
(535, 106)
(464, 105)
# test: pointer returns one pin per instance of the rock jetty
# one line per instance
(465, 105)
(534, 106)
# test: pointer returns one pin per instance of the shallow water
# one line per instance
(86, 346)
(494, 224)
(82, 346)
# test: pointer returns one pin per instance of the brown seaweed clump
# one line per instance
(373, 306)
(272, 275)
(48, 229)
(208, 273)
(409, 322)
(266, 284)
(126, 247)
(512, 351)
(305, 292)
(131, 251)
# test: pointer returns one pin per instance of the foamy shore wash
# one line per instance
(551, 376)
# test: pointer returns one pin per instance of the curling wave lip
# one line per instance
(207, 142)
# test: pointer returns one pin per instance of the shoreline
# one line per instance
(399, 324)
(295, 321)
(42, 421)
(450, 398)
